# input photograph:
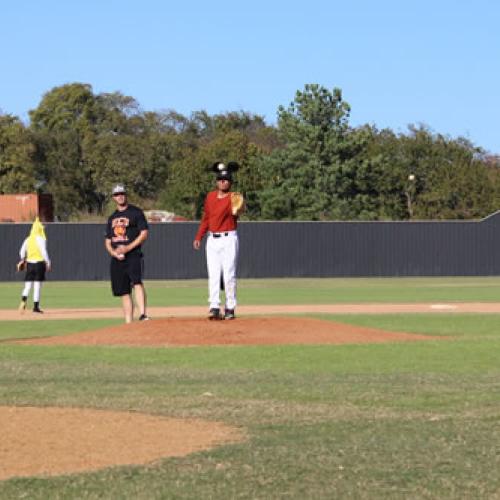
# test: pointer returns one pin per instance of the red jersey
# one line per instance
(217, 216)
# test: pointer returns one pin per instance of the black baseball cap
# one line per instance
(224, 171)
(224, 175)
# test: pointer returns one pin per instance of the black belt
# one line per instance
(218, 235)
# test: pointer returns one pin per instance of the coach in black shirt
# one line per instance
(126, 230)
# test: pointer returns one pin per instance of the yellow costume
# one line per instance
(34, 254)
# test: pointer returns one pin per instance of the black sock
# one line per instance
(24, 298)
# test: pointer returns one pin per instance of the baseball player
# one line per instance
(126, 231)
(220, 218)
(35, 259)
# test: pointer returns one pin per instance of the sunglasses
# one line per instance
(120, 194)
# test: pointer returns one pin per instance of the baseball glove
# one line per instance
(237, 203)
(21, 266)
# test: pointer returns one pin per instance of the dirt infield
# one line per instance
(164, 312)
(48, 441)
(244, 331)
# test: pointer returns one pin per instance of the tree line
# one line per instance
(311, 165)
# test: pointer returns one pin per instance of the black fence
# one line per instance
(280, 249)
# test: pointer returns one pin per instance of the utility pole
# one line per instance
(410, 194)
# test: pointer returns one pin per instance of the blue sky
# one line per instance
(397, 63)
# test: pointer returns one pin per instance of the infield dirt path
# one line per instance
(53, 441)
(273, 330)
(244, 310)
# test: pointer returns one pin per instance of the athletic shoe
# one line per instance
(229, 314)
(22, 306)
(37, 310)
(143, 317)
(214, 314)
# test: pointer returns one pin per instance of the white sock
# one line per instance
(36, 291)
(27, 288)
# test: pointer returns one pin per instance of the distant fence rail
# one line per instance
(280, 249)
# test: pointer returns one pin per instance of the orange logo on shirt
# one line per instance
(119, 226)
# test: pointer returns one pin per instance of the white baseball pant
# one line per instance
(222, 257)
(37, 285)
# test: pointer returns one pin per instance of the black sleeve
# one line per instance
(142, 223)
(109, 232)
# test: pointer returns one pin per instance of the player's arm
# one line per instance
(107, 242)
(199, 235)
(202, 230)
(111, 250)
(143, 236)
(42, 245)
(23, 252)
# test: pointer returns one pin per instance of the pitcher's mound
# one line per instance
(242, 331)
(54, 441)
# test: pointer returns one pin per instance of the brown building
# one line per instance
(25, 207)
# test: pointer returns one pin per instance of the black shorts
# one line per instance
(125, 274)
(35, 271)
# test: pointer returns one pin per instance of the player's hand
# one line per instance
(118, 256)
(48, 267)
(121, 249)
(196, 244)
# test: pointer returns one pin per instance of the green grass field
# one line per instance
(415, 420)
(271, 291)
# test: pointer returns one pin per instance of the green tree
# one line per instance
(316, 175)
(450, 177)
(62, 125)
(89, 142)
(17, 152)
(458, 186)
(202, 140)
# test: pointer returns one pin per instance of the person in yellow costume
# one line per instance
(34, 257)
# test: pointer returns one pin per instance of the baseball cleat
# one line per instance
(37, 310)
(144, 317)
(214, 314)
(229, 314)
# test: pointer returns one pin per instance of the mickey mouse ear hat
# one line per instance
(225, 171)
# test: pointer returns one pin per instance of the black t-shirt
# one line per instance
(124, 227)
